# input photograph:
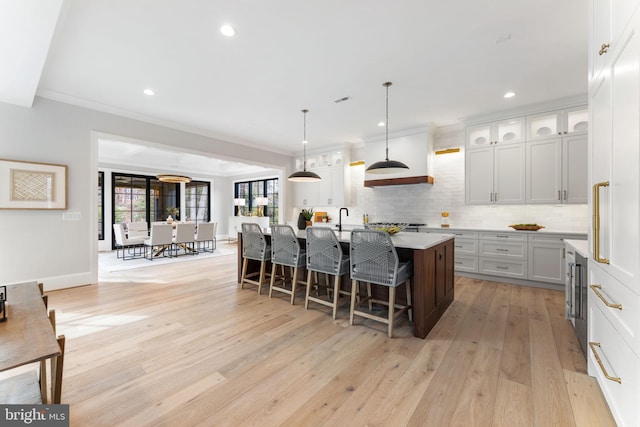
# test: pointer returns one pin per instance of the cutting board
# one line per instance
(318, 216)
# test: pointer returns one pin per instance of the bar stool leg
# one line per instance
(392, 306)
(336, 294)
(354, 291)
(273, 278)
(308, 292)
(244, 272)
(294, 283)
(369, 295)
(263, 266)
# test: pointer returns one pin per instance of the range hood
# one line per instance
(413, 148)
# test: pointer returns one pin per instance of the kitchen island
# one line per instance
(432, 283)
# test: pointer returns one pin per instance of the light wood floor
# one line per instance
(183, 345)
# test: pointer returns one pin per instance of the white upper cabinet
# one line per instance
(508, 131)
(333, 189)
(569, 121)
(557, 170)
(495, 175)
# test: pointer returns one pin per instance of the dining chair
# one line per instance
(184, 238)
(374, 260)
(137, 229)
(325, 255)
(161, 238)
(286, 252)
(254, 247)
(128, 245)
(205, 237)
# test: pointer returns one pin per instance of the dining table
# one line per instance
(26, 336)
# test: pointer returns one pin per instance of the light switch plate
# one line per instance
(71, 216)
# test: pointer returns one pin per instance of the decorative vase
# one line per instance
(302, 222)
(169, 219)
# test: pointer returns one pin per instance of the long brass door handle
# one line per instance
(596, 290)
(596, 222)
(593, 346)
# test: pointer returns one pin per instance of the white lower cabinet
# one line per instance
(502, 267)
(547, 261)
(615, 366)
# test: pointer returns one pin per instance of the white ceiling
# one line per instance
(447, 60)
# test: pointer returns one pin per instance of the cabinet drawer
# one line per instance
(625, 321)
(495, 235)
(619, 361)
(466, 263)
(508, 250)
(507, 268)
(465, 246)
(458, 233)
(558, 239)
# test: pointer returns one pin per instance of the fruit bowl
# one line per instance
(527, 227)
(390, 229)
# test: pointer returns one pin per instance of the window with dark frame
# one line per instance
(197, 201)
(249, 190)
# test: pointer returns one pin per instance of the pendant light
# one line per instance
(304, 175)
(387, 166)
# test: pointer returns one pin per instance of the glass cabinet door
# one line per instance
(576, 120)
(510, 131)
(479, 136)
(546, 125)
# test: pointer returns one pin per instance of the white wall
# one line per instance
(64, 253)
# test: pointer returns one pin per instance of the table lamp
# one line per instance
(239, 204)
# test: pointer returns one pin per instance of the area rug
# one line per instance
(108, 261)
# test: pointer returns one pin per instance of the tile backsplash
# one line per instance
(424, 203)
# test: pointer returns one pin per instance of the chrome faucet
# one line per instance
(340, 218)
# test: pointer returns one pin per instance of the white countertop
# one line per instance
(545, 230)
(581, 246)
(403, 239)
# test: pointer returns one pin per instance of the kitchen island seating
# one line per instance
(287, 252)
(131, 247)
(161, 238)
(255, 248)
(374, 260)
(205, 237)
(325, 255)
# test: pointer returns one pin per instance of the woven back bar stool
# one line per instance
(374, 260)
(325, 255)
(286, 252)
(254, 246)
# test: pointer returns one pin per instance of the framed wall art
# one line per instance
(27, 185)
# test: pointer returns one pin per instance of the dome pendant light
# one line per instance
(387, 166)
(304, 175)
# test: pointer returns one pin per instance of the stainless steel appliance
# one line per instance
(577, 298)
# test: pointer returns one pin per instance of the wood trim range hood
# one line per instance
(423, 179)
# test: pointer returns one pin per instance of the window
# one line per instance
(142, 198)
(100, 205)
(197, 201)
(250, 190)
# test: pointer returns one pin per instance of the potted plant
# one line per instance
(304, 219)
(173, 212)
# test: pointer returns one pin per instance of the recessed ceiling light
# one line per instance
(149, 92)
(228, 30)
(381, 124)
(509, 94)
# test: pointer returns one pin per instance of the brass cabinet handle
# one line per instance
(596, 222)
(593, 346)
(595, 290)
(603, 49)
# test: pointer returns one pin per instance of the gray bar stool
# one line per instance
(254, 246)
(324, 255)
(374, 260)
(286, 252)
